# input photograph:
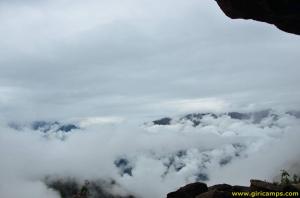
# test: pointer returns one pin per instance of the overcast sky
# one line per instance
(72, 58)
(113, 60)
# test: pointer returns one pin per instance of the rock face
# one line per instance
(284, 14)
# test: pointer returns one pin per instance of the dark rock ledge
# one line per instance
(284, 14)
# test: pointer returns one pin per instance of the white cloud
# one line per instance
(222, 149)
(119, 63)
(85, 122)
(197, 105)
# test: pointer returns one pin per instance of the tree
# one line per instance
(285, 177)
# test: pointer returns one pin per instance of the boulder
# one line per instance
(189, 191)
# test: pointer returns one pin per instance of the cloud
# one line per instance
(161, 158)
(99, 120)
(26, 189)
(116, 64)
(115, 58)
(197, 105)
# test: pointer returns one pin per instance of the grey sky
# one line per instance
(104, 62)
(63, 59)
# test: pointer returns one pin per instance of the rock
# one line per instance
(297, 186)
(257, 185)
(196, 118)
(239, 116)
(124, 166)
(67, 127)
(284, 14)
(189, 191)
(220, 187)
(214, 194)
(46, 126)
(241, 189)
(291, 188)
(200, 190)
(163, 121)
(229, 188)
(296, 114)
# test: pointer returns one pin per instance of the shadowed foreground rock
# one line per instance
(200, 190)
(284, 14)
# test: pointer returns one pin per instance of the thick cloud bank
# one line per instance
(96, 73)
(149, 160)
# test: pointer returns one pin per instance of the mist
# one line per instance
(161, 159)
(111, 67)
